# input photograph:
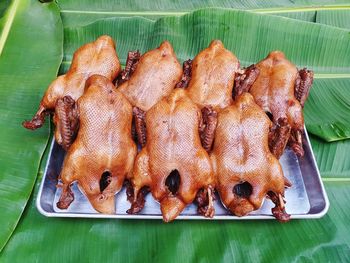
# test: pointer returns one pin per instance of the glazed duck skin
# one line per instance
(103, 154)
(98, 57)
(147, 79)
(281, 90)
(209, 80)
(245, 169)
(173, 164)
(212, 76)
(154, 77)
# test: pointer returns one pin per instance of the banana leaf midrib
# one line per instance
(7, 27)
(335, 179)
(182, 12)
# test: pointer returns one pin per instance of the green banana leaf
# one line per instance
(333, 159)
(41, 239)
(78, 13)
(3, 6)
(29, 61)
(330, 123)
(91, 240)
(324, 49)
(338, 18)
(309, 16)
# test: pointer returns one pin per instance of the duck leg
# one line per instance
(205, 201)
(278, 211)
(66, 198)
(38, 120)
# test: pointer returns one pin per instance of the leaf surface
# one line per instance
(28, 62)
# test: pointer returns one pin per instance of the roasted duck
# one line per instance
(103, 152)
(212, 76)
(245, 169)
(209, 79)
(98, 57)
(148, 79)
(281, 91)
(173, 165)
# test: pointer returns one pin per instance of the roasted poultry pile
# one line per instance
(178, 133)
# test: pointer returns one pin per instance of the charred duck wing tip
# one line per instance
(140, 125)
(303, 85)
(244, 80)
(67, 120)
(186, 74)
(209, 119)
(278, 137)
(130, 67)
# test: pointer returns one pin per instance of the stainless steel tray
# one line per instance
(305, 199)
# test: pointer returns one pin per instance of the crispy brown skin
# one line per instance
(173, 143)
(103, 146)
(213, 74)
(242, 155)
(154, 78)
(274, 92)
(98, 57)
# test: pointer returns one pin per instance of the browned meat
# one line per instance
(274, 91)
(245, 169)
(98, 57)
(213, 74)
(173, 164)
(147, 80)
(155, 76)
(103, 153)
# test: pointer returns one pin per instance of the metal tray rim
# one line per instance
(181, 217)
